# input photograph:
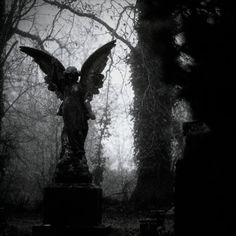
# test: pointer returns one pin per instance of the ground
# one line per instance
(122, 223)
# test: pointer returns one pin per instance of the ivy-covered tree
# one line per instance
(152, 63)
(201, 61)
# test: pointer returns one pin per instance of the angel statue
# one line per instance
(75, 107)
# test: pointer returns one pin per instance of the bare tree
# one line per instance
(11, 13)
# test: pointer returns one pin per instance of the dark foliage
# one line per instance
(206, 34)
(204, 195)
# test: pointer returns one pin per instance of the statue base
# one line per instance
(72, 205)
(72, 210)
(73, 169)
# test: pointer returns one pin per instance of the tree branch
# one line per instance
(93, 17)
(20, 95)
(30, 36)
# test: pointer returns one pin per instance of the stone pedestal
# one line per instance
(72, 210)
(73, 205)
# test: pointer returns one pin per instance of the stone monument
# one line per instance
(72, 205)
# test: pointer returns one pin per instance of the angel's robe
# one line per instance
(75, 116)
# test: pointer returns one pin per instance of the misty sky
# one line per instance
(85, 37)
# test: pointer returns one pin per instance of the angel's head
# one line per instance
(71, 74)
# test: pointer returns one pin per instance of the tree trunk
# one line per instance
(2, 45)
(2, 159)
(151, 63)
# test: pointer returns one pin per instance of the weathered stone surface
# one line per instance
(73, 170)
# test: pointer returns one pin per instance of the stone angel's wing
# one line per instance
(91, 78)
(51, 66)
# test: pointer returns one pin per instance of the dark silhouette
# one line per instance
(205, 176)
(75, 108)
